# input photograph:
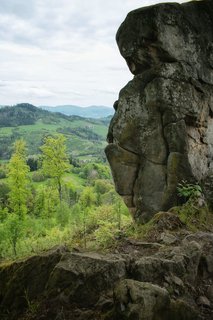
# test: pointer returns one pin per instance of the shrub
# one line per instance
(106, 234)
(2, 173)
(38, 176)
(4, 191)
(188, 190)
(33, 162)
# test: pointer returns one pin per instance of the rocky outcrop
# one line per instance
(23, 281)
(140, 300)
(83, 278)
(60, 279)
(162, 130)
(142, 280)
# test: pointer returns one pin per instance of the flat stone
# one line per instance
(168, 238)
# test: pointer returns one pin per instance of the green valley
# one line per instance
(55, 185)
(85, 137)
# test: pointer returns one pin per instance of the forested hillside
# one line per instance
(55, 200)
(85, 137)
(55, 186)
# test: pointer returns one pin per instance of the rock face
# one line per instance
(140, 300)
(162, 130)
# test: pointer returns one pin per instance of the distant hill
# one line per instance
(86, 137)
(88, 112)
(22, 114)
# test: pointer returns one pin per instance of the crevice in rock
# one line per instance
(210, 113)
(164, 138)
(136, 154)
(173, 122)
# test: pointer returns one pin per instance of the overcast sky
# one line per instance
(55, 52)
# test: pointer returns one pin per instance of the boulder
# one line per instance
(26, 280)
(140, 300)
(180, 262)
(83, 277)
(161, 132)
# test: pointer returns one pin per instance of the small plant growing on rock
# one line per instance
(189, 190)
(194, 212)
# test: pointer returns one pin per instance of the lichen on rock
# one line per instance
(161, 132)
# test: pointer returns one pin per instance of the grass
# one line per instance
(77, 181)
(73, 178)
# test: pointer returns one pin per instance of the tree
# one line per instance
(86, 200)
(14, 230)
(32, 162)
(18, 180)
(4, 191)
(55, 161)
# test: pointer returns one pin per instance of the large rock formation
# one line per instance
(162, 130)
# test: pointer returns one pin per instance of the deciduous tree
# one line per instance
(18, 179)
(55, 159)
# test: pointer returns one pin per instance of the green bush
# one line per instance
(106, 234)
(188, 190)
(63, 214)
(4, 192)
(3, 173)
(38, 176)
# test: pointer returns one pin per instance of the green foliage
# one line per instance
(195, 213)
(87, 197)
(69, 193)
(63, 214)
(33, 162)
(88, 212)
(55, 159)
(4, 192)
(85, 137)
(46, 202)
(3, 214)
(2, 171)
(93, 171)
(188, 190)
(14, 228)
(102, 186)
(18, 180)
(106, 234)
(38, 176)
(22, 114)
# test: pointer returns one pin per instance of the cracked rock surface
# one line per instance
(142, 280)
(162, 129)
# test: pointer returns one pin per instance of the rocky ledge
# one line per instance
(168, 276)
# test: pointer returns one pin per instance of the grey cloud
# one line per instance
(21, 8)
(44, 20)
(67, 46)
